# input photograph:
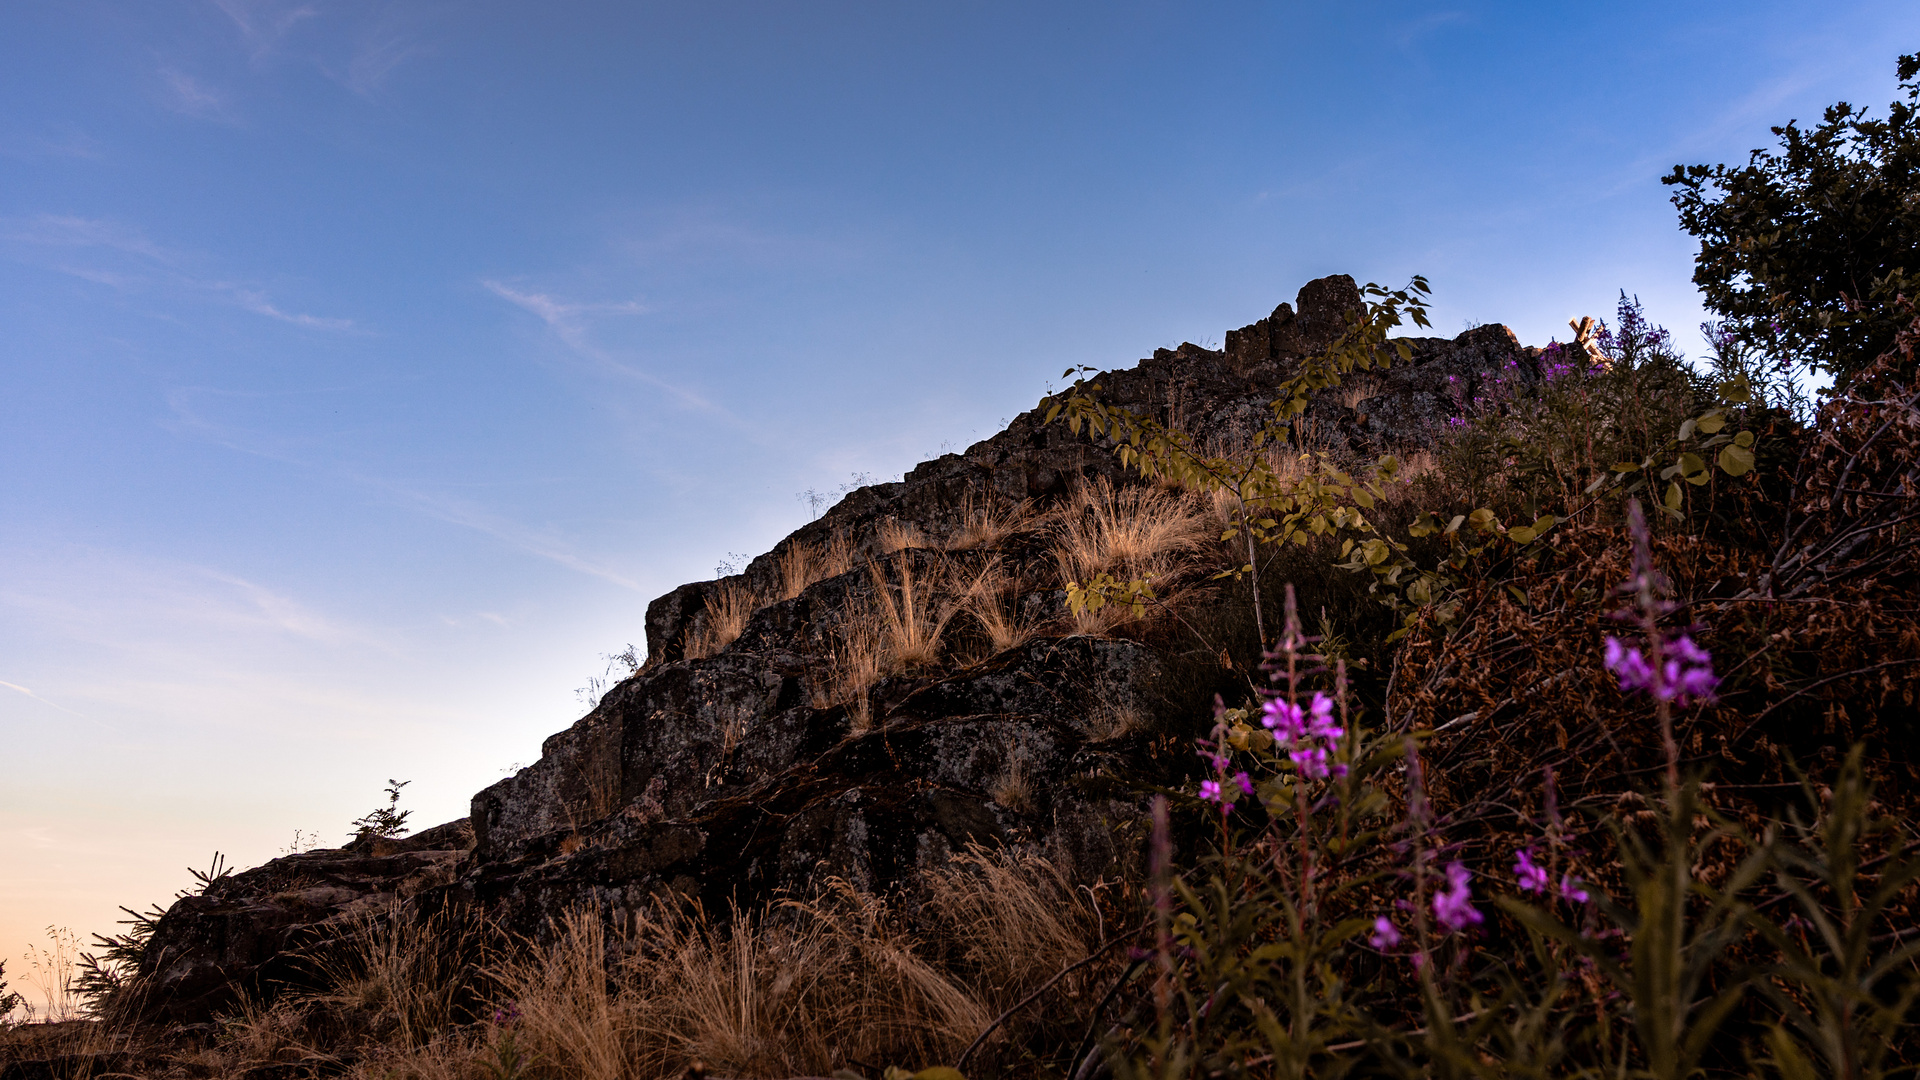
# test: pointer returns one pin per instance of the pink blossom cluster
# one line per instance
(1308, 732)
(1452, 908)
(1534, 878)
(1217, 791)
(1685, 672)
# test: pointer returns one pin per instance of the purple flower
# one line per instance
(506, 1014)
(1285, 719)
(1320, 723)
(1210, 791)
(1626, 662)
(1312, 762)
(1532, 877)
(1684, 648)
(1570, 888)
(1453, 906)
(1686, 674)
(1245, 782)
(1385, 935)
(1694, 683)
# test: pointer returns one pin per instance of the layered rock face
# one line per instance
(736, 767)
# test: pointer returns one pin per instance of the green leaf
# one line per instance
(1745, 438)
(1521, 535)
(1736, 460)
(1673, 499)
(1712, 423)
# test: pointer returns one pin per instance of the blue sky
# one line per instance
(366, 367)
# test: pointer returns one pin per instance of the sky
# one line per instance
(367, 367)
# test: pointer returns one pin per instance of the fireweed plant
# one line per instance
(1339, 926)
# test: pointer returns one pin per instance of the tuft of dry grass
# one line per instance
(1114, 722)
(411, 971)
(729, 605)
(1014, 790)
(900, 629)
(802, 563)
(570, 1015)
(897, 536)
(1130, 532)
(912, 620)
(985, 599)
(1017, 919)
(986, 521)
(1355, 391)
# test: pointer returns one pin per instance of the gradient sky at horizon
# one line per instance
(366, 367)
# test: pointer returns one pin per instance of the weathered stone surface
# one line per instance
(729, 777)
(247, 932)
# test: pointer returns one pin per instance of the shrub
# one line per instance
(1531, 439)
(1343, 921)
(1806, 252)
(9, 1001)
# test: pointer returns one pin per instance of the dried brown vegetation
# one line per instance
(1133, 532)
(729, 605)
(799, 990)
(987, 522)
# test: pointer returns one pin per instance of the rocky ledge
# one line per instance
(742, 761)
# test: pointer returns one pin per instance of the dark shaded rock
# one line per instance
(252, 931)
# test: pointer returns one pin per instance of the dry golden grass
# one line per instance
(1128, 532)
(986, 521)
(1019, 918)
(911, 617)
(802, 990)
(802, 563)
(410, 970)
(1357, 390)
(569, 1016)
(987, 598)
(900, 629)
(819, 986)
(1131, 533)
(729, 605)
(897, 535)
(1113, 722)
(1014, 790)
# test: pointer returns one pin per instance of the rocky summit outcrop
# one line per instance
(742, 762)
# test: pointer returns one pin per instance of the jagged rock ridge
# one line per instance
(737, 773)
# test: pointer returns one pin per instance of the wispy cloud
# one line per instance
(265, 23)
(189, 96)
(257, 302)
(548, 543)
(568, 321)
(542, 543)
(383, 45)
(17, 688)
(58, 231)
(68, 143)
